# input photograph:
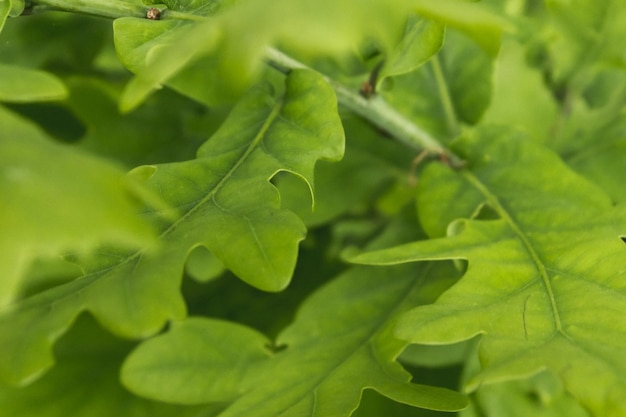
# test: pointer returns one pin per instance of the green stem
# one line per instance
(446, 100)
(374, 109)
(103, 8)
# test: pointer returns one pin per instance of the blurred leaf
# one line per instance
(474, 19)
(202, 265)
(161, 131)
(158, 50)
(592, 134)
(225, 203)
(516, 86)
(89, 361)
(541, 395)
(96, 207)
(19, 85)
(603, 162)
(15, 7)
(197, 361)
(77, 40)
(422, 40)
(223, 52)
(5, 9)
(585, 33)
(454, 87)
(543, 282)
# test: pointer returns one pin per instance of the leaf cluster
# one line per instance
(296, 208)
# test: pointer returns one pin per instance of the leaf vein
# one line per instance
(538, 262)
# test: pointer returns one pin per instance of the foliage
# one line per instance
(296, 208)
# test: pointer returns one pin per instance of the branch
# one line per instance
(102, 8)
(375, 109)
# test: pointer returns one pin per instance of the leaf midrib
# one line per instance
(251, 148)
(366, 340)
(94, 276)
(494, 202)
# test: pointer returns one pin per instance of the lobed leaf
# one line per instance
(338, 345)
(366, 170)
(225, 202)
(544, 285)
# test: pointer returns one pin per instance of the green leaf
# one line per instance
(592, 137)
(171, 51)
(422, 40)
(198, 361)
(584, 35)
(515, 86)
(438, 355)
(261, 137)
(340, 340)
(16, 7)
(26, 43)
(96, 207)
(543, 282)
(366, 170)
(541, 395)
(202, 265)
(604, 163)
(219, 53)
(5, 9)
(85, 383)
(375, 405)
(474, 19)
(20, 85)
(443, 197)
(226, 204)
(454, 87)
(157, 51)
(152, 134)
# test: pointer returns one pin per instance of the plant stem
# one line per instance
(374, 109)
(446, 99)
(103, 8)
